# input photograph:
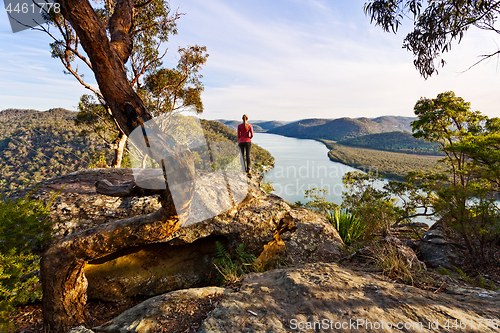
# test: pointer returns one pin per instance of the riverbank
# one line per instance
(389, 165)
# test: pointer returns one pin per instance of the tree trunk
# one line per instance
(108, 57)
(120, 146)
(64, 284)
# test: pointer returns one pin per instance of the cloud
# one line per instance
(332, 63)
(280, 59)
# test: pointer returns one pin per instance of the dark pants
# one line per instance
(245, 149)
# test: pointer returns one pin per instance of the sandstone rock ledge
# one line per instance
(286, 300)
(318, 297)
(313, 291)
(185, 259)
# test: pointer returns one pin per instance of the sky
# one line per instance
(275, 60)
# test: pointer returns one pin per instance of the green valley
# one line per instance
(36, 145)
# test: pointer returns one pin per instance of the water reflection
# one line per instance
(302, 165)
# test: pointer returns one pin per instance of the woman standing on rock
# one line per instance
(245, 135)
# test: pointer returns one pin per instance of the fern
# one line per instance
(232, 266)
(220, 251)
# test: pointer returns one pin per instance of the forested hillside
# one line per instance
(400, 142)
(217, 132)
(389, 165)
(38, 145)
(342, 128)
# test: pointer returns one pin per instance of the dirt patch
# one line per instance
(185, 316)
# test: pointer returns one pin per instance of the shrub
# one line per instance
(18, 280)
(349, 227)
(267, 186)
(317, 201)
(24, 227)
(394, 264)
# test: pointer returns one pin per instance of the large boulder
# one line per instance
(325, 296)
(437, 250)
(149, 315)
(185, 259)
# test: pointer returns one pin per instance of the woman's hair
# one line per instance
(245, 119)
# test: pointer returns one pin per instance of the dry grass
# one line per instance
(394, 264)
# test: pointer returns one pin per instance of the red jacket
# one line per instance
(245, 134)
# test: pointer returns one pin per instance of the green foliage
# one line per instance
(24, 227)
(35, 146)
(231, 266)
(98, 160)
(317, 201)
(349, 227)
(466, 195)
(178, 89)
(367, 199)
(19, 283)
(436, 24)
(484, 151)
(480, 281)
(399, 142)
(23, 224)
(381, 205)
(267, 186)
(94, 118)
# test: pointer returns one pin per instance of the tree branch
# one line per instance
(140, 5)
(145, 67)
(120, 24)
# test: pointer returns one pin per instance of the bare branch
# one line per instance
(483, 58)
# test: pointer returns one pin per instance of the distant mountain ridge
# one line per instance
(342, 128)
(259, 126)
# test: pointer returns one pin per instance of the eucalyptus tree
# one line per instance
(468, 188)
(153, 22)
(437, 24)
(106, 34)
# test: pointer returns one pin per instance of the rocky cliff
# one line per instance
(312, 294)
(185, 259)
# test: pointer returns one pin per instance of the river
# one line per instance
(302, 164)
